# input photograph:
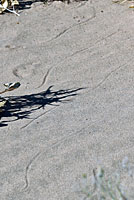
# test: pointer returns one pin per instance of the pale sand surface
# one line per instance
(89, 48)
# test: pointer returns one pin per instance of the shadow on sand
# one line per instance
(20, 107)
(27, 3)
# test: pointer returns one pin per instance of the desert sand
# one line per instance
(75, 106)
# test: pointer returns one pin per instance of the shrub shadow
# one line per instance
(20, 107)
(27, 3)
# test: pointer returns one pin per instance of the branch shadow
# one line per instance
(27, 3)
(23, 5)
(21, 107)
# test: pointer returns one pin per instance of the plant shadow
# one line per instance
(27, 3)
(21, 107)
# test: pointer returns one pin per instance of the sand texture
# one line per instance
(75, 105)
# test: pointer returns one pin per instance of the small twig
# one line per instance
(12, 11)
(11, 86)
(6, 90)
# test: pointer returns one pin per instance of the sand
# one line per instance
(75, 105)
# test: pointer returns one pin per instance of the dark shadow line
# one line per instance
(21, 107)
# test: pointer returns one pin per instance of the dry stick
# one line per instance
(12, 11)
(12, 87)
(6, 90)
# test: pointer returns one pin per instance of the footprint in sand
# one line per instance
(24, 71)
